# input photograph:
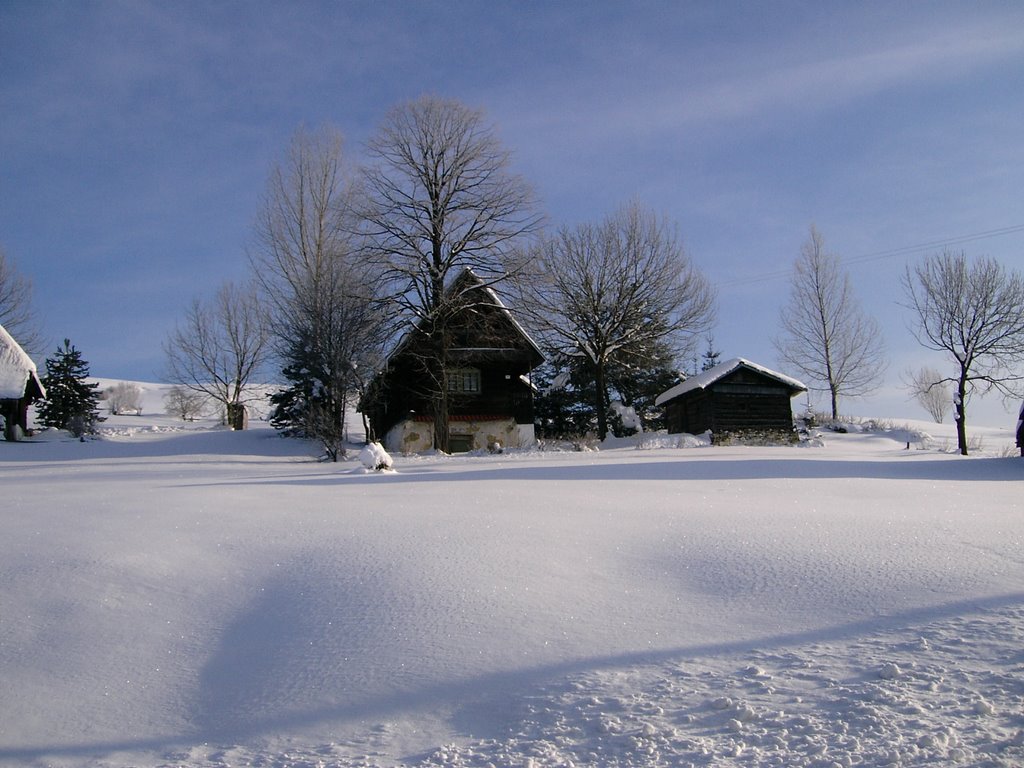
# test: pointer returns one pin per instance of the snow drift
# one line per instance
(192, 597)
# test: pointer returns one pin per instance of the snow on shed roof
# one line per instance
(720, 371)
(16, 369)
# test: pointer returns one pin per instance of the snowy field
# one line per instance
(180, 595)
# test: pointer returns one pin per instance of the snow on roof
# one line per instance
(508, 313)
(477, 284)
(16, 368)
(720, 371)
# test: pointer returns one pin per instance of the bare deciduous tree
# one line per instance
(974, 312)
(826, 336)
(441, 198)
(124, 397)
(218, 348)
(184, 403)
(16, 312)
(320, 295)
(621, 292)
(931, 391)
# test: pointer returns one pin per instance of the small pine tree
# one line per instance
(712, 356)
(71, 402)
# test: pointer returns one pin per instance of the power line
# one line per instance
(878, 255)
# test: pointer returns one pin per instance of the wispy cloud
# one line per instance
(823, 83)
(767, 80)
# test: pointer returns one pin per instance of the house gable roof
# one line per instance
(468, 280)
(719, 372)
(18, 375)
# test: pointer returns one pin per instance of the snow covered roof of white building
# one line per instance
(720, 371)
(16, 369)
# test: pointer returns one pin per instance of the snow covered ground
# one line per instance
(181, 595)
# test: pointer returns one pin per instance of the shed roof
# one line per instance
(17, 371)
(720, 371)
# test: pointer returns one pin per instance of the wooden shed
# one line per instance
(735, 396)
(19, 386)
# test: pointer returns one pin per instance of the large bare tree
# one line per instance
(826, 335)
(319, 292)
(218, 348)
(973, 312)
(441, 198)
(16, 310)
(617, 293)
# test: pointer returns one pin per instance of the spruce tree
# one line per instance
(322, 378)
(292, 405)
(712, 356)
(71, 402)
(564, 403)
(639, 388)
(563, 406)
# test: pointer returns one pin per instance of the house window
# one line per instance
(464, 380)
(460, 443)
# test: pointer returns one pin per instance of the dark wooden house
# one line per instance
(19, 386)
(735, 396)
(489, 391)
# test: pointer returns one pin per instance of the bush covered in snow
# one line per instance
(375, 458)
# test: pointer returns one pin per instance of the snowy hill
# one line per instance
(182, 595)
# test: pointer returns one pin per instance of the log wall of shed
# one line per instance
(725, 410)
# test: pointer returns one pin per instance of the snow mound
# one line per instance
(655, 440)
(375, 459)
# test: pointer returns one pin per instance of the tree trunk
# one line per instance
(600, 400)
(960, 410)
(441, 421)
(237, 417)
(833, 387)
(439, 379)
(371, 437)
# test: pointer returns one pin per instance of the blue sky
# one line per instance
(136, 138)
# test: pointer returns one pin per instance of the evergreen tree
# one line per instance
(712, 356)
(640, 387)
(291, 404)
(563, 406)
(324, 375)
(71, 402)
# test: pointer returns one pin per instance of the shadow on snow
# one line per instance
(235, 703)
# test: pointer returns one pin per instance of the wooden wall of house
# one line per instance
(502, 393)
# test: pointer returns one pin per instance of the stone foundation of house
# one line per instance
(414, 436)
(756, 437)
